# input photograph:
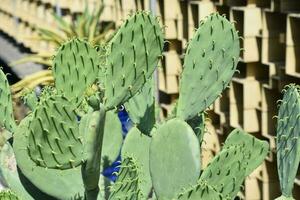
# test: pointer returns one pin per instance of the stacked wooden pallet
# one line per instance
(269, 60)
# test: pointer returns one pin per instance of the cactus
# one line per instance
(288, 143)
(174, 158)
(54, 138)
(200, 191)
(61, 141)
(7, 120)
(255, 150)
(214, 47)
(45, 179)
(137, 145)
(226, 171)
(112, 137)
(128, 183)
(67, 138)
(76, 66)
(133, 56)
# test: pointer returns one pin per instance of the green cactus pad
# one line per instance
(174, 158)
(226, 172)
(46, 179)
(255, 150)
(54, 138)
(113, 138)
(200, 191)
(8, 195)
(128, 182)
(141, 108)
(137, 145)
(6, 110)
(288, 142)
(76, 66)
(30, 99)
(209, 64)
(133, 54)
(10, 174)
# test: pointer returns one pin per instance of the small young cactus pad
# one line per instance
(133, 55)
(7, 120)
(210, 62)
(288, 142)
(174, 158)
(76, 66)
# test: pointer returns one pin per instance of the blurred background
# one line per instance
(31, 31)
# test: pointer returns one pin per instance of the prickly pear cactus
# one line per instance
(255, 150)
(141, 108)
(128, 182)
(209, 64)
(200, 191)
(137, 145)
(288, 143)
(226, 171)
(54, 138)
(174, 158)
(113, 138)
(7, 120)
(76, 66)
(133, 55)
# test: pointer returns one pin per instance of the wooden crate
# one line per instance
(288, 6)
(293, 45)
(273, 37)
(245, 97)
(248, 23)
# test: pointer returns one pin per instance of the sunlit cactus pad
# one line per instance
(76, 66)
(132, 57)
(209, 64)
